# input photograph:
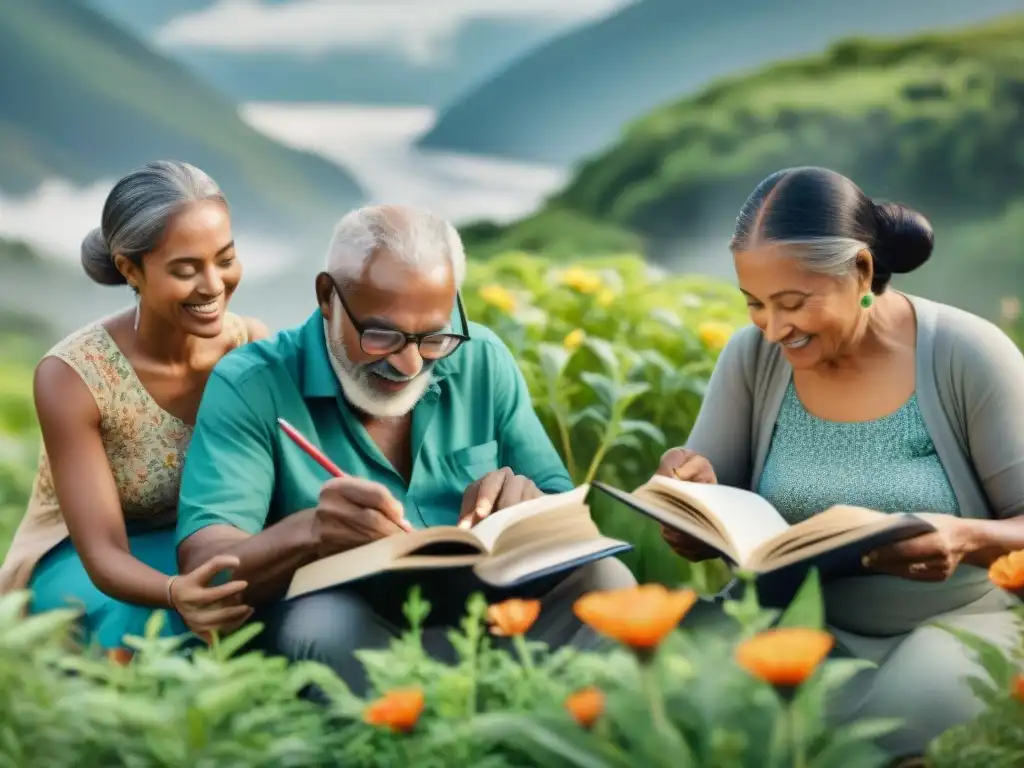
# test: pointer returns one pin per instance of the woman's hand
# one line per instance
(928, 557)
(206, 609)
(684, 464)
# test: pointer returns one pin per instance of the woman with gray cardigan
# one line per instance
(846, 392)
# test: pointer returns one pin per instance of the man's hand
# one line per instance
(928, 557)
(494, 491)
(684, 464)
(352, 512)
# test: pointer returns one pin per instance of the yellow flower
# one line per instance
(605, 298)
(498, 297)
(573, 340)
(713, 334)
(582, 280)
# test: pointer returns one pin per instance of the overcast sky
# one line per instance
(416, 28)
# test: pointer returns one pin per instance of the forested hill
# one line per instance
(82, 100)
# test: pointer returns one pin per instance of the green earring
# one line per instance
(867, 300)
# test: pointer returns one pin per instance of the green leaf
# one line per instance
(553, 359)
(604, 388)
(644, 428)
(588, 413)
(808, 608)
(233, 643)
(516, 729)
(605, 352)
(837, 672)
(991, 658)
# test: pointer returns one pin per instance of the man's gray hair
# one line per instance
(420, 238)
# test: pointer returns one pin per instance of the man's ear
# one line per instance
(132, 272)
(865, 271)
(324, 292)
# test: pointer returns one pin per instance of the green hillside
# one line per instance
(88, 101)
(935, 121)
(570, 97)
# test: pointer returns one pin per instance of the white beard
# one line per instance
(357, 383)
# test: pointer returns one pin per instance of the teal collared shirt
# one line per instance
(242, 470)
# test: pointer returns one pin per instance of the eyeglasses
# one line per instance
(383, 342)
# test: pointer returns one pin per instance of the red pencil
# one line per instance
(311, 450)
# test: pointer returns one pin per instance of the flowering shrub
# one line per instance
(617, 355)
(657, 696)
(995, 739)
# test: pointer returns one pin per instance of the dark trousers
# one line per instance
(329, 626)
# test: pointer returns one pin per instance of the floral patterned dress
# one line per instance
(145, 447)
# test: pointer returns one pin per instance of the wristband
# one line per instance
(170, 596)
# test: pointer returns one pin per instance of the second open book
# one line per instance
(745, 529)
(514, 545)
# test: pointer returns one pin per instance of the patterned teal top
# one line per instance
(888, 464)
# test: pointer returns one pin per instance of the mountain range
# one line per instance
(572, 96)
(477, 50)
(935, 121)
(91, 102)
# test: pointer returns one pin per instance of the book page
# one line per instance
(518, 565)
(746, 518)
(816, 531)
(491, 527)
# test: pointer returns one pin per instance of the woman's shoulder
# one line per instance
(87, 346)
(965, 336)
(245, 329)
(748, 352)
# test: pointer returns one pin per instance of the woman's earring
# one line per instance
(867, 300)
(138, 307)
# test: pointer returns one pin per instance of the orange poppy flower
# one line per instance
(585, 706)
(120, 655)
(1018, 687)
(1008, 572)
(784, 657)
(398, 710)
(640, 617)
(513, 617)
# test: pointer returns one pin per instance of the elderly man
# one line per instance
(428, 415)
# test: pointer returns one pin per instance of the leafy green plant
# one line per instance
(617, 356)
(658, 696)
(995, 739)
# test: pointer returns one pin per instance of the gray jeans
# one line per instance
(329, 626)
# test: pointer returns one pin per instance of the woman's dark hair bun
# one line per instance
(98, 261)
(904, 238)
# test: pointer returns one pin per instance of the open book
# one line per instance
(527, 541)
(746, 530)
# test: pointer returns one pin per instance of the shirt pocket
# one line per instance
(470, 464)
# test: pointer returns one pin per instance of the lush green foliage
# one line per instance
(688, 705)
(995, 739)
(935, 121)
(617, 355)
(21, 343)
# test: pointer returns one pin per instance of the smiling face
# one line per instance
(189, 278)
(390, 295)
(815, 318)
